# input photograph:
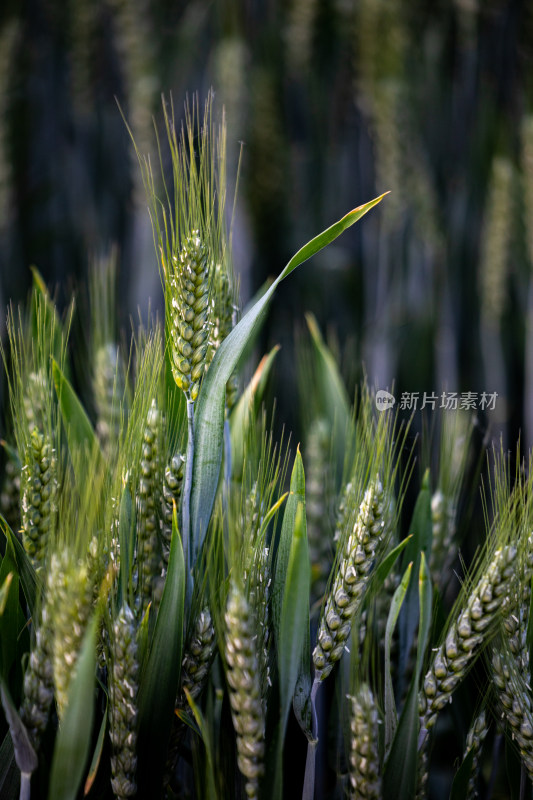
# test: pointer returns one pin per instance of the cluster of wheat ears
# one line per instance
(179, 615)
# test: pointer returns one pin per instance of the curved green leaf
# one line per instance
(294, 613)
(73, 741)
(80, 432)
(420, 542)
(400, 775)
(209, 420)
(24, 568)
(334, 402)
(205, 734)
(293, 625)
(243, 412)
(462, 777)
(25, 755)
(391, 717)
(296, 498)
(9, 774)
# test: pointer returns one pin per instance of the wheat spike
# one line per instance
(190, 312)
(39, 681)
(514, 699)
(109, 389)
(123, 705)
(38, 494)
(243, 676)
(172, 488)
(147, 499)
(198, 657)
(364, 759)
(317, 486)
(474, 742)
(70, 590)
(350, 582)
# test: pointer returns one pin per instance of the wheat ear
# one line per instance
(243, 676)
(123, 705)
(350, 582)
(364, 759)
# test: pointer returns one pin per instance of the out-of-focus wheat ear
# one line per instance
(352, 576)
(35, 399)
(172, 487)
(147, 501)
(474, 744)
(465, 636)
(224, 317)
(443, 526)
(198, 658)
(516, 608)
(10, 493)
(259, 583)
(109, 391)
(317, 488)
(514, 700)
(123, 705)
(39, 680)
(244, 680)
(365, 779)
(189, 309)
(38, 496)
(70, 590)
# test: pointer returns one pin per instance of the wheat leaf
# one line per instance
(209, 420)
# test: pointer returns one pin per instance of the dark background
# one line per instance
(335, 102)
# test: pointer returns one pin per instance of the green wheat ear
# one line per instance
(244, 680)
(189, 314)
(350, 581)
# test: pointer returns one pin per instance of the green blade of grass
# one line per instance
(400, 774)
(391, 717)
(9, 777)
(97, 755)
(294, 612)
(25, 755)
(462, 777)
(31, 584)
(80, 433)
(420, 542)
(9, 617)
(334, 401)
(73, 741)
(244, 411)
(160, 679)
(209, 420)
(44, 317)
(293, 625)
(296, 498)
(205, 734)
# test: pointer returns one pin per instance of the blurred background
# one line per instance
(332, 102)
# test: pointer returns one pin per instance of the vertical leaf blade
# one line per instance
(160, 679)
(71, 751)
